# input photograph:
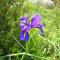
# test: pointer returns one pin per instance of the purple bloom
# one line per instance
(26, 26)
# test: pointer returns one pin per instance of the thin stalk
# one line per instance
(22, 57)
(51, 42)
(18, 42)
(32, 55)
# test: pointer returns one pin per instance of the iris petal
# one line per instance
(22, 37)
(24, 18)
(35, 20)
(27, 36)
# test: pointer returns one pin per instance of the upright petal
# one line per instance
(24, 19)
(24, 22)
(35, 20)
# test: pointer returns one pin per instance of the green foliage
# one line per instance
(37, 47)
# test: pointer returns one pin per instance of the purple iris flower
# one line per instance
(26, 26)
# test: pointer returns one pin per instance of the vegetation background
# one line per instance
(37, 47)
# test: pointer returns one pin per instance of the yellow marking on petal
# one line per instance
(24, 34)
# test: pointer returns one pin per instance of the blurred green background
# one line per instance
(37, 47)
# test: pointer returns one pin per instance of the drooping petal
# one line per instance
(41, 30)
(43, 25)
(27, 36)
(40, 27)
(22, 37)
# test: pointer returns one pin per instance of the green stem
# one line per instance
(25, 54)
